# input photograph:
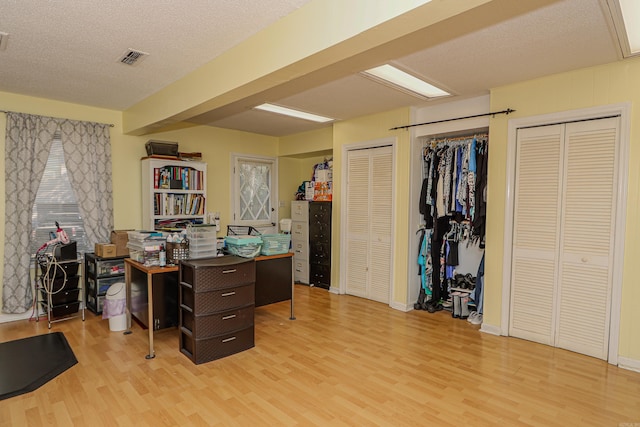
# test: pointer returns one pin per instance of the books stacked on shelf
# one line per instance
(178, 178)
(178, 204)
(176, 224)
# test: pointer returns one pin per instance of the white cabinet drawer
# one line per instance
(300, 211)
(301, 271)
(299, 231)
(300, 249)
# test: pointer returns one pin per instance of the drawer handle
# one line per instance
(228, 271)
(228, 294)
(228, 339)
(231, 316)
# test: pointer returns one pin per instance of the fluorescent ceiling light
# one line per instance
(406, 81)
(631, 16)
(293, 113)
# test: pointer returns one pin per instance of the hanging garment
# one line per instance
(472, 179)
(478, 292)
(424, 261)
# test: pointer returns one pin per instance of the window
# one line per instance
(56, 201)
(254, 190)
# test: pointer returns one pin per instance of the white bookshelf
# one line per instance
(172, 190)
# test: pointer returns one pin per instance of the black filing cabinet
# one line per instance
(320, 244)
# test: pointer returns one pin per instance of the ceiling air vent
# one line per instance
(132, 57)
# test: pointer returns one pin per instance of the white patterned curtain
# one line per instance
(88, 160)
(27, 144)
(87, 156)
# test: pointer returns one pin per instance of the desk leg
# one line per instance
(152, 353)
(127, 281)
(293, 281)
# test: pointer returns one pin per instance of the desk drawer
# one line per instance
(210, 325)
(208, 349)
(217, 300)
(203, 277)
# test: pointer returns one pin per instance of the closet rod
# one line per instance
(5, 111)
(507, 111)
(435, 141)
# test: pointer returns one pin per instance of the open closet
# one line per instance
(453, 207)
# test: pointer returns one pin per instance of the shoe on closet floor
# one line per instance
(477, 319)
(472, 315)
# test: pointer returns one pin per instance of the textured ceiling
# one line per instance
(68, 49)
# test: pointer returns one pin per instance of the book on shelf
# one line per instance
(178, 178)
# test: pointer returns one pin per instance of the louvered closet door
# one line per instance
(535, 233)
(357, 200)
(563, 237)
(369, 204)
(380, 223)
(587, 231)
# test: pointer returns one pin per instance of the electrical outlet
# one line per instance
(282, 204)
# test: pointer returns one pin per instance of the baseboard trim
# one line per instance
(630, 364)
(401, 307)
(491, 329)
(5, 318)
(334, 290)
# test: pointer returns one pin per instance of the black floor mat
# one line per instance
(28, 363)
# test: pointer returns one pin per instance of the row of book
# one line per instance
(178, 178)
(178, 204)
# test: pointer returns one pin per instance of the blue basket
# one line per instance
(274, 244)
(246, 251)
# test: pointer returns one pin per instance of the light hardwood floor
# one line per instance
(345, 361)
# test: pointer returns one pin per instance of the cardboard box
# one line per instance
(105, 250)
(323, 192)
(120, 239)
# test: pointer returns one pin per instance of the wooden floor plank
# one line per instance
(345, 361)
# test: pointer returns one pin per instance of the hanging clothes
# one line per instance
(453, 204)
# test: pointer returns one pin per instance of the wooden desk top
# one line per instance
(151, 269)
(155, 269)
(266, 257)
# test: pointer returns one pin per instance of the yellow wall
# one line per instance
(301, 144)
(608, 84)
(298, 153)
(372, 128)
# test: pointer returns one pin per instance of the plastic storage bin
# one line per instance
(273, 244)
(244, 246)
(202, 241)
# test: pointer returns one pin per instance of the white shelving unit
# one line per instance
(172, 190)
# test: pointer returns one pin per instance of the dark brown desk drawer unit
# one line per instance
(217, 300)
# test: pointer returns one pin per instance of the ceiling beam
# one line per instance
(319, 35)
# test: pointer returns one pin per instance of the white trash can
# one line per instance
(115, 307)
